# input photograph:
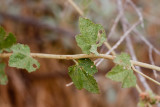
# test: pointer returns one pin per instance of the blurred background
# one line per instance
(50, 26)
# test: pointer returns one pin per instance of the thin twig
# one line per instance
(145, 65)
(114, 25)
(152, 62)
(109, 48)
(137, 11)
(75, 61)
(76, 7)
(120, 41)
(79, 56)
(129, 42)
(144, 39)
(138, 89)
(156, 82)
(69, 84)
(123, 37)
(67, 57)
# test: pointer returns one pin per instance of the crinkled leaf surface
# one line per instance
(82, 75)
(88, 65)
(123, 59)
(91, 36)
(6, 41)
(21, 58)
(3, 76)
(129, 80)
(122, 72)
(118, 73)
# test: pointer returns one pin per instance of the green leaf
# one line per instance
(87, 65)
(92, 36)
(117, 73)
(6, 41)
(82, 75)
(129, 80)
(123, 59)
(121, 74)
(3, 76)
(83, 80)
(21, 58)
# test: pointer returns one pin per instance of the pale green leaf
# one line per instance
(123, 59)
(92, 36)
(83, 80)
(3, 76)
(94, 49)
(129, 80)
(118, 73)
(121, 74)
(21, 58)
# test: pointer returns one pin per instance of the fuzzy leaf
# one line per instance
(117, 73)
(123, 59)
(21, 58)
(92, 36)
(129, 80)
(3, 76)
(83, 80)
(87, 65)
(82, 75)
(6, 41)
(121, 74)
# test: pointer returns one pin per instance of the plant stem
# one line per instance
(138, 88)
(145, 65)
(156, 82)
(109, 47)
(79, 56)
(75, 61)
(76, 7)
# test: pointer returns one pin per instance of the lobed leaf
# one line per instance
(122, 72)
(82, 75)
(91, 36)
(21, 58)
(3, 76)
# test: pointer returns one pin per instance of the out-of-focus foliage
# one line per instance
(3, 76)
